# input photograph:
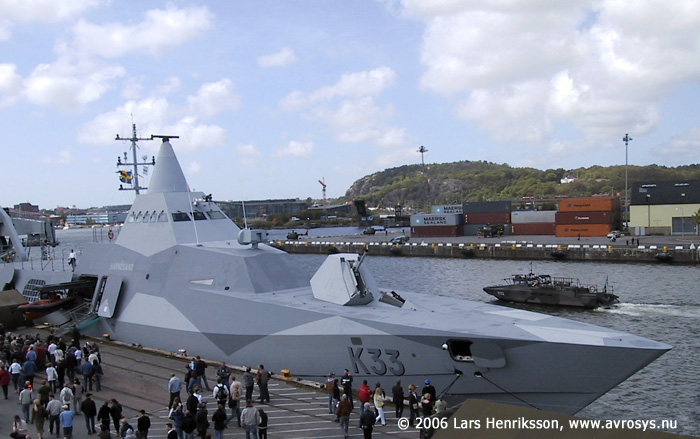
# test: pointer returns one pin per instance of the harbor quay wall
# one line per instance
(504, 250)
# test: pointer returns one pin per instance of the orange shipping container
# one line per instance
(590, 204)
(575, 230)
(586, 217)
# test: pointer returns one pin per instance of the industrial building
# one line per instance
(664, 208)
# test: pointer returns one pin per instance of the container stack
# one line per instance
(476, 215)
(533, 222)
(433, 225)
(595, 216)
(447, 209)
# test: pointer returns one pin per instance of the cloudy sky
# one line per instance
(268, 97)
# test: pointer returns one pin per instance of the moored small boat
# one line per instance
(46, 304)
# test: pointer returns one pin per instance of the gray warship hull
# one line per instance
(182, 276)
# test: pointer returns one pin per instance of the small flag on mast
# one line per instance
(124, 176)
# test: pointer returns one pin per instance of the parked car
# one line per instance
(492, 230)
(399, 239)
(615, 234)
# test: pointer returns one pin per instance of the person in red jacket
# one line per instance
(364, 395)
(4, 379)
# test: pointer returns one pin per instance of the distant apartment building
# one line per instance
(104, 216)
(260, 208)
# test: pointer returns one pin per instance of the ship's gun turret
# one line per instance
(343, 280)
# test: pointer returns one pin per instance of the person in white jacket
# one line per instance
(250, 418)
(66, 395)
(379, 397)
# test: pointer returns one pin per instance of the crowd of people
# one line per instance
(73, 372)
(372, 402)
(190, 417)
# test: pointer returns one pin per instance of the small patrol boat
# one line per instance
(543, 289)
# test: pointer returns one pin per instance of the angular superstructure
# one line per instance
(177, 277)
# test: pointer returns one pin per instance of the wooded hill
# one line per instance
(421, 186)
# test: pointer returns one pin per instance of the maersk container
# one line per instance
(486, 218)
(435, 231)
(486, 206)
(429, 219)
(532, 229)
(586, 217)
(533, 216)
(448, 209)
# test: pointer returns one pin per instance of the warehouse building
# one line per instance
(664, 208)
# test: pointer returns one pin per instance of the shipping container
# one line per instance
(486, 218)
(533, 216)
(486, 206)
(586, 217)
(435, 231)
(590, 204)
(472, 229)
(571, 230)
(429, 219)
(532, 229)
(449, 209)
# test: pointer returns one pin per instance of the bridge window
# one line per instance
(138, 218)
(215, 214)
(180, 216)
(162, 217)
(198, 216)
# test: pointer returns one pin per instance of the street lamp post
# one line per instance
(626, 139)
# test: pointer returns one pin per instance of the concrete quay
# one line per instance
(137, 377)
(650, 249)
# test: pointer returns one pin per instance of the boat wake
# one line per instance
(647, 309)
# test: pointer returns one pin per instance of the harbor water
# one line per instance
(660, 302)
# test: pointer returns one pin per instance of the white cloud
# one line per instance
(214, 97)
(295, 149)
(149, 115)
(248, 150)
(350, 85)
(195, 136)
(361, 120)
(43, 11)
(159, 30)
(348, 106)
(5, 30)
(680, 149)
(133, 87)
(519, 67)
(194, 168)
(69, 85)
(64, 157)
(10, 84)
(169, 85)
(282, 58)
